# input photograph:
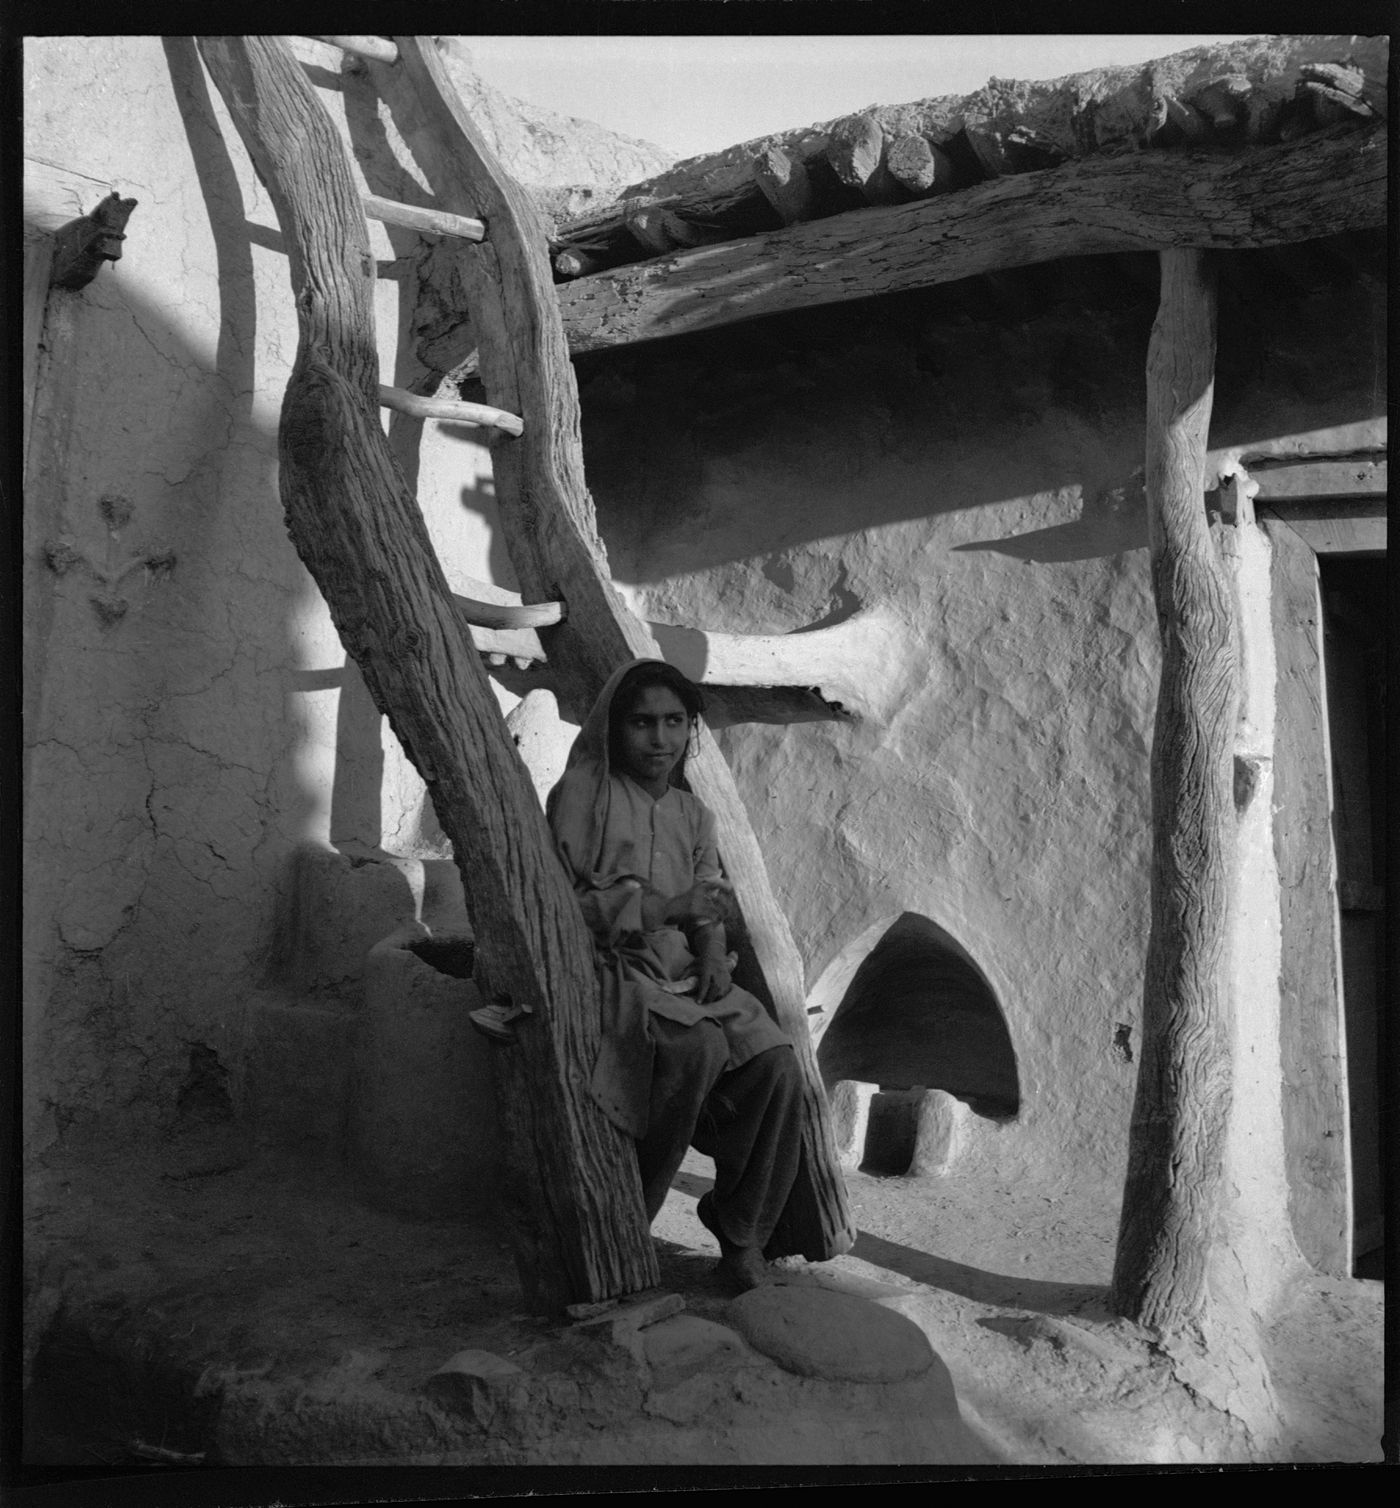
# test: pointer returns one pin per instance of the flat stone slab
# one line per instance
(633, 1315)
(459, 1377)
(817, 1332)
(679, 1347)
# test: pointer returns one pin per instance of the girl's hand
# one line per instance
(714, 980)
(698, 905)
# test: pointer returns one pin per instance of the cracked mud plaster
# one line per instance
(184, 743)
(160, 806)
(94, 850)
(1001, 780)
(987, 490)
(1222, 1369)
(112, 567)
(92, 1062)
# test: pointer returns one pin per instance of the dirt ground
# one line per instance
(197, 1249)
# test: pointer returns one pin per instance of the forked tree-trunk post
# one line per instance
(552, 537)
(570, 1179)
(1177, 1137)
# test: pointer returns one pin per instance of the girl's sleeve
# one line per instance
(706, 856)
(611, 903)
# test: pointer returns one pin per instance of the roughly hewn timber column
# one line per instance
(551, 533)
(570, 1178)
(1312, 1028)
(1176, 1142)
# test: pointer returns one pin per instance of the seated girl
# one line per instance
(687, 1058)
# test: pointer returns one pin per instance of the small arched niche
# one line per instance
(917, 1015)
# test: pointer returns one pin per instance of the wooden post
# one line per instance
(659, 231)
(1313, 1043)
(570, 262)
(783, 180)
(1177, 1137)
(921, 166)
(551, 534)
(855, 147)
(570, 1178)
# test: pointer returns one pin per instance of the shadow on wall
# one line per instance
(918, 1015)
(357, 738)
(157, 701)
(356, 816)
(731, 444)
(1113, 521)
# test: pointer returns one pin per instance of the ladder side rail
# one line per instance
(570, 1178)
(551, 536)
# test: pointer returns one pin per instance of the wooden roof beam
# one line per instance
(922, 167)
(1319, 186)
(855, 149)
(1342, 478)
(784, 182)
(1110, 110)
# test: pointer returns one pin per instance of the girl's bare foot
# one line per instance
(742, 1266)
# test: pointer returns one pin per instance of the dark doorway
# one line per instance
(1355, 636)
(919, 1015)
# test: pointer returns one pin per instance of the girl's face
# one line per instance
(652, 737)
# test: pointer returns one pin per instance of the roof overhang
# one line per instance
(1322, 185)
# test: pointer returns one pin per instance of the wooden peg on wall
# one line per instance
(81, 246)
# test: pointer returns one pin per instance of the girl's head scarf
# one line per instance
(577, 807)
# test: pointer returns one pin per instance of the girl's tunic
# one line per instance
(616, 840)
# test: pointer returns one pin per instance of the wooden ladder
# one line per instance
(570, 1182)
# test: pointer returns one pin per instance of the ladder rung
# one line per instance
(377, 49)
(445, 408)
(508, 617)
(573, 263)
(521, 662)
(434, 221)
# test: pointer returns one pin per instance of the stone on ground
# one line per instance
(686, 1344)
(817, 1332)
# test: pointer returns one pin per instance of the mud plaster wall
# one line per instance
(179, 751)
(976, 472)
(981, 475)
